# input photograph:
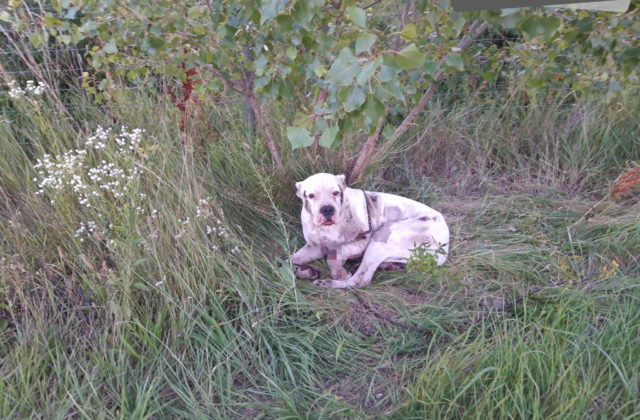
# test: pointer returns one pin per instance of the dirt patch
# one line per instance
(375, 394)
(362, 320)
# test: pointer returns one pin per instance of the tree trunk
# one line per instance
(271, 145)
(475, 31)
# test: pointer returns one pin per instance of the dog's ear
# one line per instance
(299, 191)
(341, 181)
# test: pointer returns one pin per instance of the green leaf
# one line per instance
(489, 76)
(36, 39)
(260, 83)
(547, 26)
(292, 52)
(51, 21)
(532, 26)
(387, 73)
(259, 64)
(598, 41)
(344, 69)
(534, 85)
(458, 22)
(351, 98)
(431, 67)
(410, 57)
(302, 14)
(156, 43)
(409, 32)
(110, 47)
(552, 25)
(140, 286)
(196, 12)
(511, 21)
(6, 17)
(365, 73)
(373, 110)
(320, 71)
(381, 93)
(629, 58)
(455, 60)
(71, 13)
(364, 43)
(328, 137)
(509, 11)
(214, 85)
(394, 90)
(285, 22)
(388, 131)
(299, 137)
(357, 16)
(268, 10)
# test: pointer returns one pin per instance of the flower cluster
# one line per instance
(112, 178)
(217, 230)
(60, 170)
(98, 139)
(129, 141)
(71, 171)
(203, 209)
(88, 228)
(218, 233)
(32, 88)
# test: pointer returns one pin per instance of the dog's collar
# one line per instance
(367, 204)
(365, 233)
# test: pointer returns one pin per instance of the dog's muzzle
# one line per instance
(326, 215)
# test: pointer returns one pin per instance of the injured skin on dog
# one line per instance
(344, 223)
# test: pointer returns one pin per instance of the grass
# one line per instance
(156, 314)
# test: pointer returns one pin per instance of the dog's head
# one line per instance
(322, 196)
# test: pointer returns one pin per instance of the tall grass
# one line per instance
(179, 303)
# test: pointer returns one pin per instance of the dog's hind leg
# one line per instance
(392, 243)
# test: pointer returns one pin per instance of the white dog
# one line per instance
(345, 223)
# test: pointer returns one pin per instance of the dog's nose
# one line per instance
(327, 211)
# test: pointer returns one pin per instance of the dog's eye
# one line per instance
(336, 193)
(312, 196)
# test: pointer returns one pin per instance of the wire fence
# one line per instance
(434, 108)
(45, 50)
(442, 101)
(48, 71)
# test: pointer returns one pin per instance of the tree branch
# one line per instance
(367, 150)
(475, 30)
(388, 319)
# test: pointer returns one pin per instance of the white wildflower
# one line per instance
(31, 89)
(68, 171)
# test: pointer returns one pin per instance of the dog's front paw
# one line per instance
(306, 272)
(331, 284)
